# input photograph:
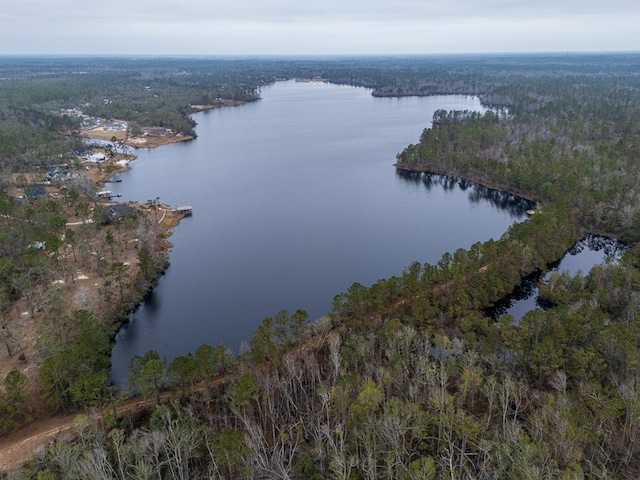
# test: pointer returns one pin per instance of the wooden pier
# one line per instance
(106, 194)
(185, 210)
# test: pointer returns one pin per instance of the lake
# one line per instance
(294, 198)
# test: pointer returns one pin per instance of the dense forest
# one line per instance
(410, 377)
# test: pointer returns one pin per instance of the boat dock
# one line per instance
(185, 210)
(106, 194)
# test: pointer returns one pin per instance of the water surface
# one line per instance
(295, 197)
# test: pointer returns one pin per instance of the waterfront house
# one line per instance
(57, 173)
(114, 127)
(96, 158)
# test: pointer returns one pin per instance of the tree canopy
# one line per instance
(409, 377)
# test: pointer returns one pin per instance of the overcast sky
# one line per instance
(294, 27)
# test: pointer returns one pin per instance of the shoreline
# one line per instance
(399, 166)
(150, 139)
(200, 107)
(147, 141)
(86, 287)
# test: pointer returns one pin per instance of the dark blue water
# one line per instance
(295, 197)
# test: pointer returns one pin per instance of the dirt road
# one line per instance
(19, 447)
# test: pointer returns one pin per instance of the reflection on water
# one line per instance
(477, 193)
(609, 247)
(581, 257)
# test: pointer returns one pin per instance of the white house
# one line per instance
(96, 158)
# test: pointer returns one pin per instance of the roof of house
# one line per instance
(57, 171)
(35, 192)
(117, 208)
(96, 157)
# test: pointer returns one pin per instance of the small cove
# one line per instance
(590, 251)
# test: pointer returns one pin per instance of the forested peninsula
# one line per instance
(408, 378)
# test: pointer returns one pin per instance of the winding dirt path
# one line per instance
(19, 447)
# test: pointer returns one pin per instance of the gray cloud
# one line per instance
(296, 10)
(330, 26)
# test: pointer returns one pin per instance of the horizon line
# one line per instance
(317, 55)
